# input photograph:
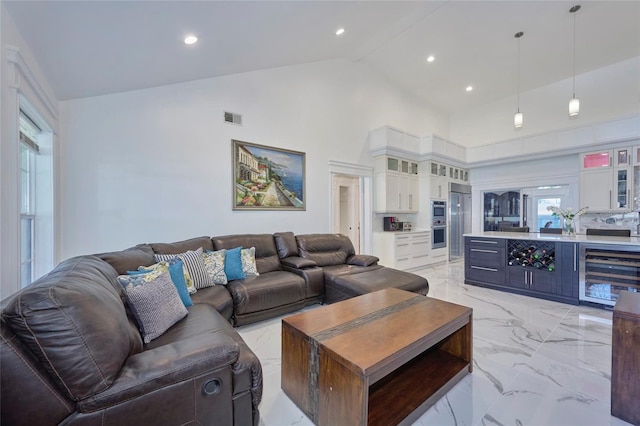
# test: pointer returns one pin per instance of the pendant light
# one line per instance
(518, 118)
(574, 103)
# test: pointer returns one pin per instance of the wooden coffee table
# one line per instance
(379, 359)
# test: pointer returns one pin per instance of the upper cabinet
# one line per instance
(397, 186)
(607, 179)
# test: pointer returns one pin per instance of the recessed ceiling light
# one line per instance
(469, 88)
(431, 58)
(340, 31)
(191, 39)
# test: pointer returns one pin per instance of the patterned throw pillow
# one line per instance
(154, 302)
(248, 259)
(176, 272)
(214, 262)
(194, 264)
(233, 264)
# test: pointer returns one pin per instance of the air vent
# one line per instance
(230, 117)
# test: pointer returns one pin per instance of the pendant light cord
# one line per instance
(518, 35)
(574, 54)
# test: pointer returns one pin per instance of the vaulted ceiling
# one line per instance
(89, 48)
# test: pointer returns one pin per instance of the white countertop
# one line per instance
(581, 238)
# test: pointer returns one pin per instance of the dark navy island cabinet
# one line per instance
(543, 269)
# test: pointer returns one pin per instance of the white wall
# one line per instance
(155, 164)
(604, 94)
(19, 80)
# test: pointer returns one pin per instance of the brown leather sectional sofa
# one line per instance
(71, 353)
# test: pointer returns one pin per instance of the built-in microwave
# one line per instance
(438, 213)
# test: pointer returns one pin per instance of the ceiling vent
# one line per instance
(233, 118)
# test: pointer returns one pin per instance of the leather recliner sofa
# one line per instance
(71, 352)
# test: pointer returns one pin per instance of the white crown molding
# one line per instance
(336, 166)
(15, 58)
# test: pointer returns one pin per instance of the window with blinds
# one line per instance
(29, 134)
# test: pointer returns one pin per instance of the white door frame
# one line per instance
(364, 173)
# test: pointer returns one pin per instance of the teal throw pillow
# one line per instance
(233, 264)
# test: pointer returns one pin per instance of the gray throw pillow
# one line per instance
(154, 302)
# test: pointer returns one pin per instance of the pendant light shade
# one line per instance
(518, 118)
(574, 103)
(574, 106)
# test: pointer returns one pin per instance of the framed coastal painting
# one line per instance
(267, 178)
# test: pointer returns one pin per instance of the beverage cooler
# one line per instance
(608, 270)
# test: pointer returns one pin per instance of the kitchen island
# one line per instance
(581, 269)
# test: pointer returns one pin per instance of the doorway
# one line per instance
(538, 200)
(346, 207)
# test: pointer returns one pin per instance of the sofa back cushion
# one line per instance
(183, 246)
(129, 259)
(74, 322)
(286, 244)
(267, 259)
(325, 249)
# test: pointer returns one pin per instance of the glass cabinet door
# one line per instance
(392, 164)
(596, 159)
(623, 189)
(623, 157)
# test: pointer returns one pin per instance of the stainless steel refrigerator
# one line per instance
(459, 218)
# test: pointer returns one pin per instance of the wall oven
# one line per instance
(438, 237)
(438, 224)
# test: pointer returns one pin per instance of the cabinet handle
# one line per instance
(610, 203)
(402, 245)
(404, 258)
(525, 278)
(530, 279)
(485, 251)
(400, 201)
(484, 242)
(482, 268)
(422, 255)
(575, 258)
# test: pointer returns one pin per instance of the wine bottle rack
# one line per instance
(531, 254)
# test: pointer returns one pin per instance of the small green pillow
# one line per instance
(248, 258)
(214, 263)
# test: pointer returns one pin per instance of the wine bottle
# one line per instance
(537, 264)
(551, 266)
(539, 253)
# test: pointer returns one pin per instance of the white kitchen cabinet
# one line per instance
(403, 250)
(636, 155)
(607, 179)
(439, 188)
(596, 189)
(397, 185)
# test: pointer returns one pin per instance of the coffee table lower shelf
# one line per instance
(409, 391)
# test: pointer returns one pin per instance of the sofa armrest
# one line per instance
(149, 371)
(362, 260)
(313, 279)
(298, 262)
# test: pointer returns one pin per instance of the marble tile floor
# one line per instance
(535, 362)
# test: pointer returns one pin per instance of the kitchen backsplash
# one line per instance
(608, 220)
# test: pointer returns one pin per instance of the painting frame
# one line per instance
(267, 178)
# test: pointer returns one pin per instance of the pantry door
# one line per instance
(346, 207)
